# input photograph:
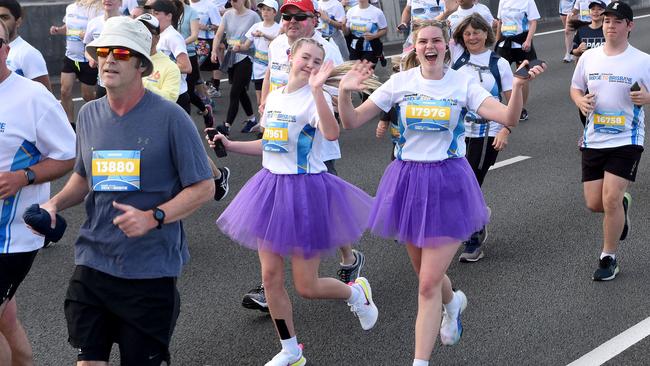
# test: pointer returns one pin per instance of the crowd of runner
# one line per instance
(139, 165)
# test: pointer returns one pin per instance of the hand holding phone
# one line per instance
(219, 149)
(522, 73)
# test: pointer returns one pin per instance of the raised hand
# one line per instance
(353, 79)
(318, 77)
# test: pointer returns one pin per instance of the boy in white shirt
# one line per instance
(617, 77)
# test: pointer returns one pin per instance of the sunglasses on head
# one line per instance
(299, 17)
(420, 11)
(121, 54)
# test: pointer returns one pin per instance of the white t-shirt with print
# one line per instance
(208, 15)
(25, 60)
(582, 6)
(479, 68)
(335, 10)
(292, 143)
(172, 44)
(456, 17)
(33, 127)
(261, 47)
(615, 120)
(76, 20)
(514, 16)
(429, 112)
(360, 21)
(279, 76)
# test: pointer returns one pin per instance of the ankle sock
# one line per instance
(417, 362)
(291, 345)
(356, 295)
(454, 304)
(604, 254)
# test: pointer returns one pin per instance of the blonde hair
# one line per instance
(411, 60)
(97, 4)
(302, 41)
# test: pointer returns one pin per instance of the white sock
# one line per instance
(417, 362)
(356, 295)
(291, 345)
(604, 254)
(454, 304)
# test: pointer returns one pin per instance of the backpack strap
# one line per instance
(494, 69)
(462, 60)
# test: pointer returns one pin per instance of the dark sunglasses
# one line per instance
(121, 54)
(299, 17)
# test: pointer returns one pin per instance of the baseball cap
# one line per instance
(165, 6)
(128, 33)
(270, 3)
(150, 21)
(304, 5)
(620, 10)
(599, 3)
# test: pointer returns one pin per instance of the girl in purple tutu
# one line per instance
(428, 198)
(293, 207)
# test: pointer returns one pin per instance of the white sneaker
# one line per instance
(285, 358)
(568, 58)
(451, 328)
(366, 310)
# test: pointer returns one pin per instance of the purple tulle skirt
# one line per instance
(428, 204)
(296, 214)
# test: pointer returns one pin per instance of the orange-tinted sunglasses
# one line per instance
(121, 54)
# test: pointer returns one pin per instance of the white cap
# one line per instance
(270, 3)
(128, 33)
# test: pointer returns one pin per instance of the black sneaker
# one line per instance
(221, 184)
(255, 299)
(607, 269)
(627, 200)
(524, 115)
(350, 273)
(251, 125)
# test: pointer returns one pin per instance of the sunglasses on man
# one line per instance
(299, 17)
(120, 54)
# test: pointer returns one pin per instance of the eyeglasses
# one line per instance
(299, 17)
(121, 54)
(420, 11)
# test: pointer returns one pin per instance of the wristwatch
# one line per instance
(159, 215)
(30, 175)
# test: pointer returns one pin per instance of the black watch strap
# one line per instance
(159, 215)
(30, 175)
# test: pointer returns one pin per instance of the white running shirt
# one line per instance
(172, 44)
(25, 60)
(514, 16)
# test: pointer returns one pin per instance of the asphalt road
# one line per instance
(531, 299)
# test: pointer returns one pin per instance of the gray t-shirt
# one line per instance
(236, 27)
(142, 159)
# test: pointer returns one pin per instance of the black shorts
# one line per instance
(137, 314)
(85, 73)
(622, 161)
(13, 270)
(517, 55)
(205, 45)
(193, 77)
(258, 84)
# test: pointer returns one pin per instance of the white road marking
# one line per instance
(516, 159)
(614, 346)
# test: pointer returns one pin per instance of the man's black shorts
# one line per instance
(84, 72)
(621, 161)
(517, 55)
(137, 314)
(13, 270)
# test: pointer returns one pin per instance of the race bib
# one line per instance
(116, 170)
(611, 123)
(358, 29)
(509, 29)
(261, 57)
(585, 15)
(277, 82)
(234, 42)
(276, 137)
(75, 35)
(428, 115)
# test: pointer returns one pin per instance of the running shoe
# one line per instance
(607, 269)
(568, 58)
(472, 251)
(352, 272)
(208, 118)
(251, 125)
(221, 184)
(627, 201)
(524, 115)
(365, 310)
(285, 358)
(213, 92)
(451, 328)
(255, 299)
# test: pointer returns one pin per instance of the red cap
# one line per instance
(304, 5)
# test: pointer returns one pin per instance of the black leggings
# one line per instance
(475, 153)
(184, 101)
(192, 79)
(240, 76)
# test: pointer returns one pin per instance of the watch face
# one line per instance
(158, 214)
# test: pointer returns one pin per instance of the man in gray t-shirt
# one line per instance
(140, 168)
